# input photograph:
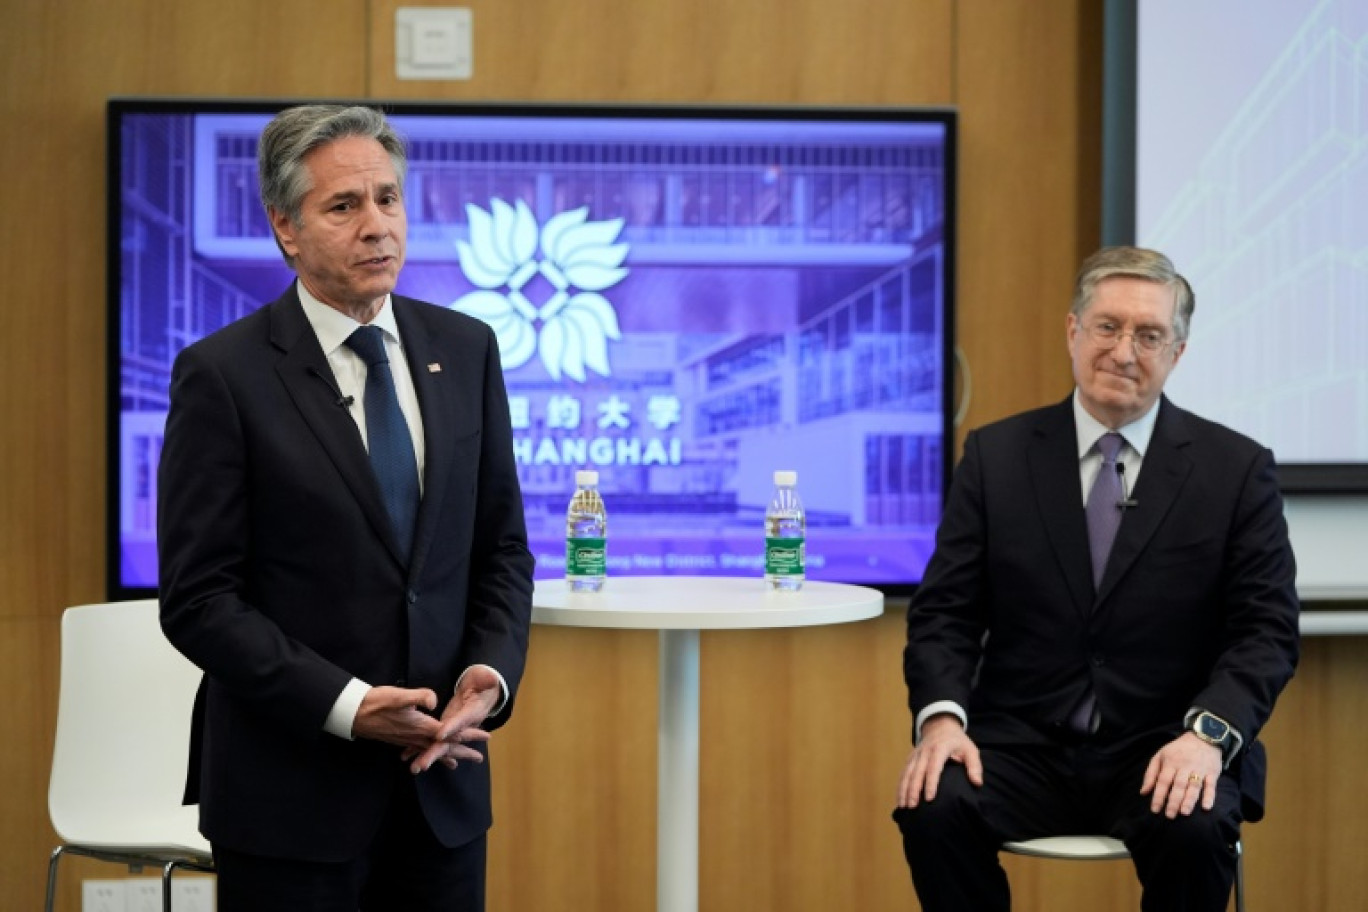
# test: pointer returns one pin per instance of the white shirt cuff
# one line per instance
(503, 686)
(342, 716)
(935, 709)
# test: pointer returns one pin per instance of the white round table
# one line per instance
(679, 607)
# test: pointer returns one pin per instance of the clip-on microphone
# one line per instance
(1126, 501)
(346, 401)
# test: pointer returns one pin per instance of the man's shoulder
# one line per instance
(437, 315)
(230, 340)
(438, 318)
(1042, 420)
(1183, 425)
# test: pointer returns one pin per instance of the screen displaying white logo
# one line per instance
(579, 258)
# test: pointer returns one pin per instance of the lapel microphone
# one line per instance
(342, 401)
(1126, 501)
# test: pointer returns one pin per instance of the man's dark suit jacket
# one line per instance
(281, 579)
(1197, 605)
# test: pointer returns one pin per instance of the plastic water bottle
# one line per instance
(785, 535)
(586, 531)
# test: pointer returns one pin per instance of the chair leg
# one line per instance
(1240, 877)
(52, 877)
(167, 870)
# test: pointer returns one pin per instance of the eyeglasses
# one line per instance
(1148, 343)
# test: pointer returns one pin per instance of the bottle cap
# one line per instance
(586, 478)
(788, 479)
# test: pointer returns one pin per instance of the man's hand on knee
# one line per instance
(942, 740)
(1183, 772)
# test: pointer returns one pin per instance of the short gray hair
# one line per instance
(295, 132)
(1135, 263)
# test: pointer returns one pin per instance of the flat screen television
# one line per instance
(686, 299)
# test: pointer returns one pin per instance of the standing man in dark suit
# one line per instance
(343, 553)
(1105, 624)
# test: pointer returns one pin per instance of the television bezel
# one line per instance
(122, 106)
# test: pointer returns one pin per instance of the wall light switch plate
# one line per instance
(433, 42)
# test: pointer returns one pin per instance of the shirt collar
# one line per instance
(1088, 428)
(333, 327)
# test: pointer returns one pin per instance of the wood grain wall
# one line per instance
(804, 731)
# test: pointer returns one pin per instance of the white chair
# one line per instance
(123, 734)
(1103, 848)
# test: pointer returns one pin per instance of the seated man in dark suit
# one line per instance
(1106, 622)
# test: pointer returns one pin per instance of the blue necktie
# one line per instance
(1104, 518)
(387, 435)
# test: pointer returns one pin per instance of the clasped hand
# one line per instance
(398, 715)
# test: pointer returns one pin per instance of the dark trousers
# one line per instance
(405, 868)
(952, 843)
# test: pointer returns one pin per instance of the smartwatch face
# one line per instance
(1212, 727)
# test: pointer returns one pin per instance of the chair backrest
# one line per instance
(123, 730)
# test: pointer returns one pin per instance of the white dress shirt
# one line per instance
(333, 328)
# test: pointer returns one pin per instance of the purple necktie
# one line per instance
(1104, 518)
(1104, 504)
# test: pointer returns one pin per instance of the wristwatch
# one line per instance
(1212, 730)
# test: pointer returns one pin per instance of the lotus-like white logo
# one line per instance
(579, 258)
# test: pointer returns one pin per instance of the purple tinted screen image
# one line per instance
(685, 300)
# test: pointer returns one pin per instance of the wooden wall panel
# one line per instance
(574, 776)
(1027, 217)
(806, 734)
(685, 51)
(28, 654)
(59, 62)
(1307, 852)
(804, 731)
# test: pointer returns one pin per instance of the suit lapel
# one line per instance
(1053, 460)
(1165, 470)
(436, 402)
(308, 378)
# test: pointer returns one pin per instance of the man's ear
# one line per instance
(284, 230)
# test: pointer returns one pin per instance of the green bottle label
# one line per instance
(785, 556)
(585, 557)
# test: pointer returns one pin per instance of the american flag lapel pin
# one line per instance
(434, 368)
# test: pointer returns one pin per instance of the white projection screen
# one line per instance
(1236, 140)
(1251, 172)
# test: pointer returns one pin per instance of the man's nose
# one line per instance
(1124, 352)
(374, 224)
